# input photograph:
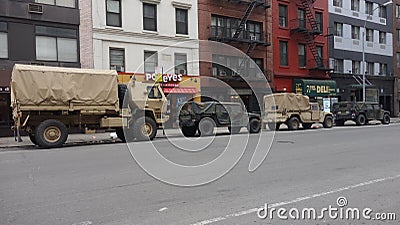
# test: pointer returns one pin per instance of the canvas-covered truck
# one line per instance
(293, 109)
(50, 102)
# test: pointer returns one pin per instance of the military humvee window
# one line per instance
(153, 92)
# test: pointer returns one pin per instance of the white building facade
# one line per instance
(141, 36)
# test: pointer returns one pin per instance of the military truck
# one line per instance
(50, 102)
(204, 117)
(293, 109)
(359, 112)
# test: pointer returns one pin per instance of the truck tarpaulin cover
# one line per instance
(286, 101)
(34, 86)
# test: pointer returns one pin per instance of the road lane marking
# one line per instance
(300, 199)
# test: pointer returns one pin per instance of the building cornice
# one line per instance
(151, 1)
(182, 5)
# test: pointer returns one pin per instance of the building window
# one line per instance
(398, 35)
(355, 67)
(3, 41)
(398, 59)
(283, 16)
(338, 67)
(318, 19)
(382, 69)
(382, 37)
(398, 11)
(370, 35)
(113, 16)
(226, 27)
(338, 29)
(283, 53)
(382, 11)
(370, 68)
(369, 8)
(181, 21)
(355, 5)
(301, 15)
(355, 32)
(230, 66)
(337, 3)
(117, 59)
(150, 62)
(302, 55)
(180, 64)
(63, 3)
(56, 44)
(149, 17)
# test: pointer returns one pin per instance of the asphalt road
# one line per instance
(102, 184)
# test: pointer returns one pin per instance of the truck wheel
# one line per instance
(386, 119)
(293, 123)
(144, 128)
(307, 125)
(33, 138)
(234, 130)
(361, 121)
(273, 126)
(339, 122)
(254, 126)
(206, 127)
(120, 134)
(328, 122)
(51, 134)
(189, 131)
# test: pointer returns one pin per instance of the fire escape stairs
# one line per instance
(244, 19)
(310, 35)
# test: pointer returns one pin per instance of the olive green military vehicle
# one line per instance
(359, 112)
(204, 117)
(293, 109)
(50, 102)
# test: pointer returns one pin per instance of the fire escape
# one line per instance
(240, 34)
(310, 34)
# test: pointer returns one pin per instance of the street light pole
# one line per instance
(363, 48)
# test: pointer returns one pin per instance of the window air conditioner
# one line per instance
(35, 8)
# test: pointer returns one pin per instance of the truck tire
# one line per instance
(328, 122)
(386, 119)
(361, 120)
(307, 125)
(254, 126)
(206, 127)
(120, 134)
(33, 138)
(144, 128)
(339, 122)
(234, 130)
(293, 123)
(273, 126)
(51, 134)
(189, 131)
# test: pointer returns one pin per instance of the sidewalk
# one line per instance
(96, 138)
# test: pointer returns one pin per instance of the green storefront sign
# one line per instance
(315, 88)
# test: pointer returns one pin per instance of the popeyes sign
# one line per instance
(165, 78)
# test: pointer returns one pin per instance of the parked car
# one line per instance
(204, 117)
(359, 112)
(292, 109)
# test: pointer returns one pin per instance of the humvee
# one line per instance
(359, 112)
(204, 117)
(292, 109)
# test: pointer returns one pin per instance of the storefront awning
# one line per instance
(315, 88)
(180, 90)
